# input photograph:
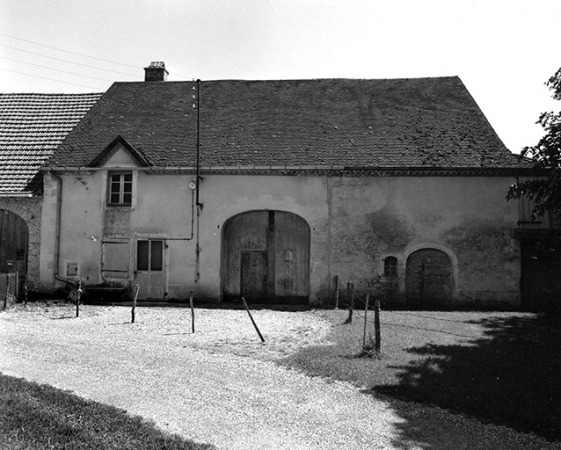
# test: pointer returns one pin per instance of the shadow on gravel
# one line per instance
(502, 369)
(510, 376)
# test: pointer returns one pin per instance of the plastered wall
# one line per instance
(467, 218)
(355, 223)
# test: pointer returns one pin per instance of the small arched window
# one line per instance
(390, 266)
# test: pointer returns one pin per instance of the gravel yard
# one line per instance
(220, 385)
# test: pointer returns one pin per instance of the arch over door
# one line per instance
(14, 239)
(428, 278)
(266, 257)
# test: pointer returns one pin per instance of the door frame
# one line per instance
(160, 274)
(433, 246)
(267, 241)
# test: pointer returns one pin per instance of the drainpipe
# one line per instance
(198, 169)
(58, 228)
(198, 177)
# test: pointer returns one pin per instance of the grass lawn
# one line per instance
(38, 417)
(502, 368)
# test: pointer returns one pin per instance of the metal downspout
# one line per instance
(199, 205)
(58, 226)
(198, 167)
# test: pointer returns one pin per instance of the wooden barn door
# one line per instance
(266, 257)
(291, 247)
(253, 274)
(540, 284)
(14, 238)
(428, 278)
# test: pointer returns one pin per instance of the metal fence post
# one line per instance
(78, 295)
(377, 325)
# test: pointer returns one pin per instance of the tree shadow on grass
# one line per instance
(35, 416)
(511, 376)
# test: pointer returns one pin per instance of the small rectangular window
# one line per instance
(156, 255)
(120, 189)
(143, 255)
(390, 266)
(150, 256)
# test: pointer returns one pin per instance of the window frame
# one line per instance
(150, 259)
(390, 266)
(122, 182)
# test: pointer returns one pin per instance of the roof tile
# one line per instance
(404, 123)
(31, 127)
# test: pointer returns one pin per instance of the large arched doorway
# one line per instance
(14, 239)
(428, 278)
(266, 257)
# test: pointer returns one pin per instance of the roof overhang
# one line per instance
(17, 195)
(313, 170)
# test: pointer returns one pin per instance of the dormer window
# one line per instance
(120, 188)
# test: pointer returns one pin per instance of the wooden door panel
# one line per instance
(150, 275)
(428, 278)
(14, 237)
(254, 274)
(292, 255)
(241, 233)
(266, 254)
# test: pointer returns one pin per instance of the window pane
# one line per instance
(157, 255)
(120, 188)
(390, 266)
(142, 255)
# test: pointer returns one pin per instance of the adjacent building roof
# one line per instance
(389, 123)
(31, 127)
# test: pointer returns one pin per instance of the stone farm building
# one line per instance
(272, 189)
(31, 127)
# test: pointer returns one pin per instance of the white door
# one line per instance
(150, 274)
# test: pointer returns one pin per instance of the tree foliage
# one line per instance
(545, 190)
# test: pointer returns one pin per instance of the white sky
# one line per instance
(503, 51)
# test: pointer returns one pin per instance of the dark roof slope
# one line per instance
(31, 127)
(398, 123)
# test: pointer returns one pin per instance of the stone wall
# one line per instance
(29, 209)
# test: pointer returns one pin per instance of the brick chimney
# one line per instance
(156, 71)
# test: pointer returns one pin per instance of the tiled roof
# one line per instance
(397, 123)
(31, 127)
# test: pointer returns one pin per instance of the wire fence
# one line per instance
(364, 308)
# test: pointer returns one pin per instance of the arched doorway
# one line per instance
(14, 239)
(428, 278)
(266, 257)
